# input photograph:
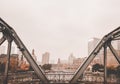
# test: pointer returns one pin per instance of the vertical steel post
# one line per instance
(105, 63)
(7, 63)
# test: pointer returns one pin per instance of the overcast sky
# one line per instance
(60, 27)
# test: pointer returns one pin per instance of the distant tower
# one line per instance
(33, 55)
(71, 59)
(45, 58)
(59, 62)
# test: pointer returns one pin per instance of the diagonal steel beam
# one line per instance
(114, 32)
(114, 52)
(106, 39)
(84, 65)
(10, 33)
(2, 40)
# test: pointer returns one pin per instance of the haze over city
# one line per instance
(60, 27)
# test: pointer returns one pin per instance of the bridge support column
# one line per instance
(105, 63)
(7, 63)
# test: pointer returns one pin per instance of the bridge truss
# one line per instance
(105, 42)
(11, 36)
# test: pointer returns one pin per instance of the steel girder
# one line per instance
(106, 40)
(10, 35)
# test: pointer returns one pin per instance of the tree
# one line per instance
(30, 68)
(111, 70)
(97, 67)
(118, 70)
(46, 67)
(2, 67)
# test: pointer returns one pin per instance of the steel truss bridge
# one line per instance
(38, 75)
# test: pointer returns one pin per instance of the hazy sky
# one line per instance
(60, 27)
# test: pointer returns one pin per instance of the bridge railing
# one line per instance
(31, 77)
(97, 77)
(59, 77)
(20, 77)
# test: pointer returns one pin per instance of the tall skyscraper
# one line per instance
(2, 49)
(33, 55)
(71, 58)
(59, 62)
(45, 58)
(111, 61)
(92, 43)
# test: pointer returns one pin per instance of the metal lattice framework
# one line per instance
(10, 35)
(105, 42)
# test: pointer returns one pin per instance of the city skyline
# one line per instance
(71, 58)
(92, 43)
(60, 27)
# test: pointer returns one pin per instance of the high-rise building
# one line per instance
(2, 49)
(45, 58)
(111, 60)
(100, 56)
(116, 44)
(33, 55)
(92, 43)
(59, 62)
(71, 59)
